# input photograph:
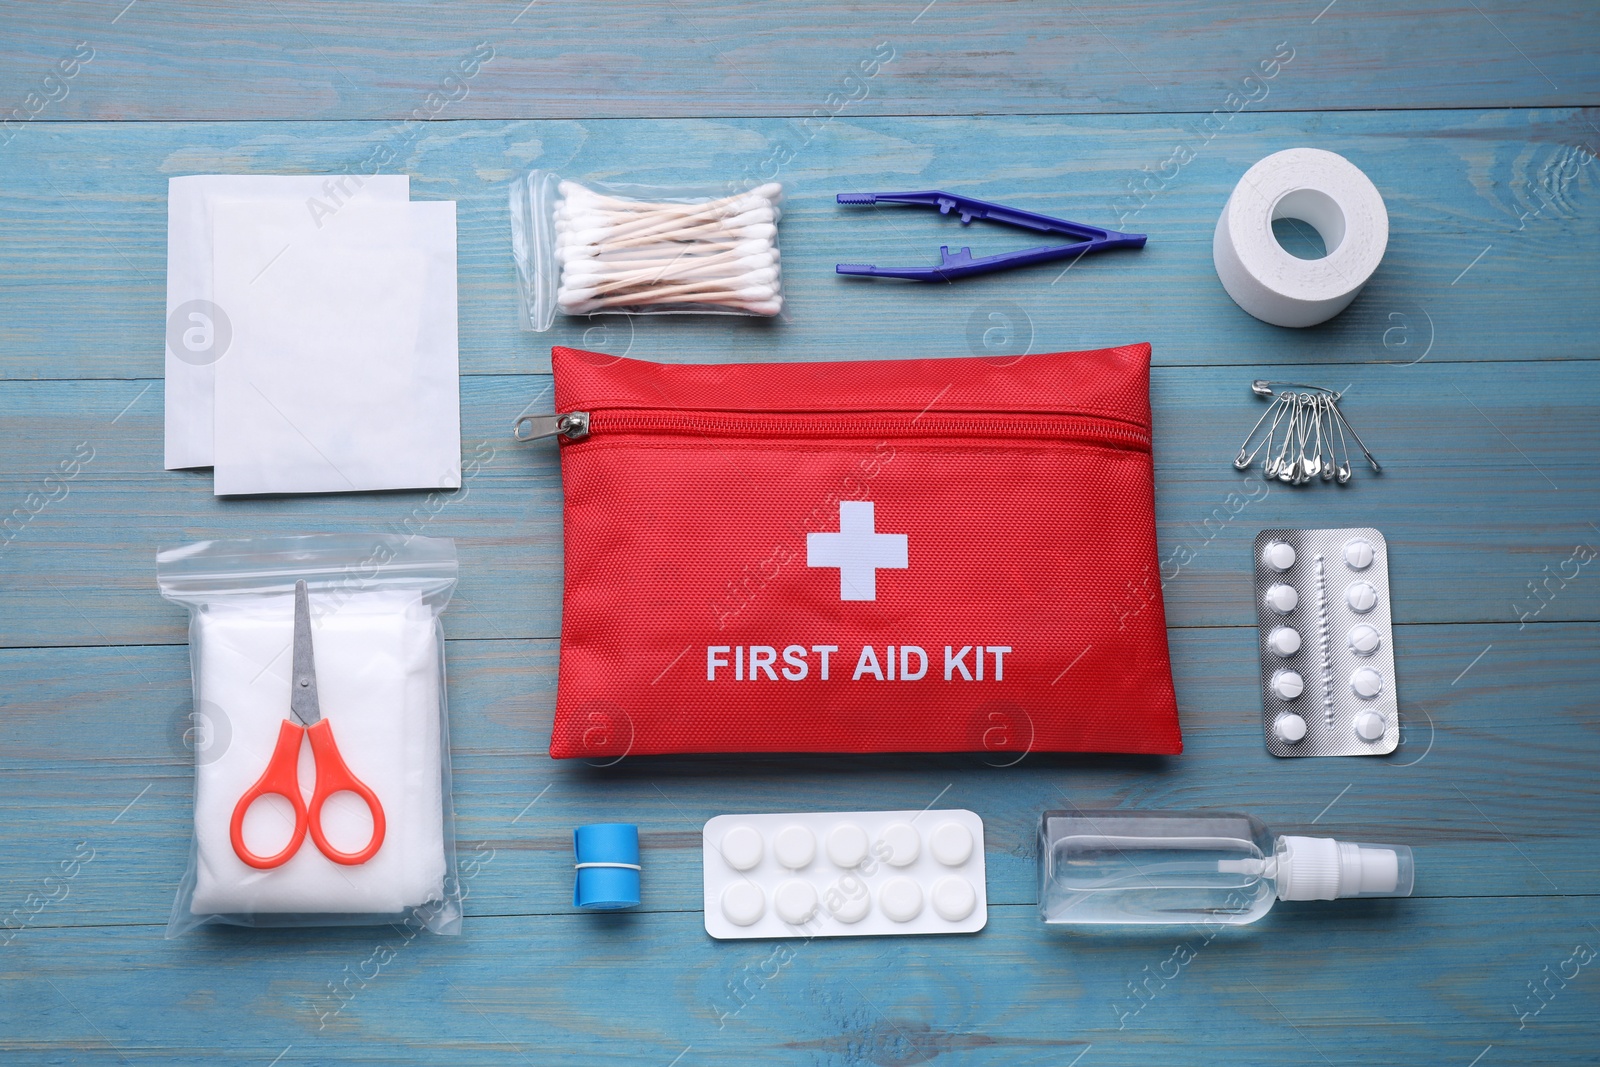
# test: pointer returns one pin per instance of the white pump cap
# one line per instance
(1320, 868)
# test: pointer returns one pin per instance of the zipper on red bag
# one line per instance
(574, 426)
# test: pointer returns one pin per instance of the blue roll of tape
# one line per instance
(607, 866)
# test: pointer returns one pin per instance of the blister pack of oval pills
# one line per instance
(844, 874)
(1326, 642)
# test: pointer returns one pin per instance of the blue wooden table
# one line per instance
(1471, 366)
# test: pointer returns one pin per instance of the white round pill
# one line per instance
(1359, 553)
(900, 899)
(1282, 598)
(795, 901)
(1361, 596)
(1279, 555)
(1289, 727)
(954, 899)
(848, 900)
(1370, 725)
(742, 847)
(795, 847)
(743, 903)
(1366, 683)
(1364, 640)
(1286, 685)
(847, 845)
(902, 845)
(951, 844)
(1284, 640)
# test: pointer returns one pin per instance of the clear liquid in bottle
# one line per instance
(1099, 867)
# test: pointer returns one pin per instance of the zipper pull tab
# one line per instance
(574, 426)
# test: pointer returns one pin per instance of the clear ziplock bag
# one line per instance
(379, 693)
(588, 248)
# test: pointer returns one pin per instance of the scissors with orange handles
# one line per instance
(282, 776)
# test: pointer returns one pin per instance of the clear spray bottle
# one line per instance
(1198, 867)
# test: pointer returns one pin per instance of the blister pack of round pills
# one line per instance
(844, 874)
(1326, 642)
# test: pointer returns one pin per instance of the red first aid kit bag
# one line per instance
(927, 555)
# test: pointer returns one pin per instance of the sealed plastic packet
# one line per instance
(318, 663)
(585, 248)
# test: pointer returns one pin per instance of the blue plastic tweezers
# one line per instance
(1085, 239)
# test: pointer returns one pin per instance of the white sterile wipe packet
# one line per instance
(197, 337)
(378, 685)
(342, 374)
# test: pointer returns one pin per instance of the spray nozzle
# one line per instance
(1320, 868)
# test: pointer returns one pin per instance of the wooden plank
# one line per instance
(1488, 488)
(1484, 491)
(1493, 220)
(1435, 981)
(95, 748)
(656, 58)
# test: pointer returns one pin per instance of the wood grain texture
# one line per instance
(1478, 832)
(1472, 367)
(1338, 986)
(297, 59)
(1493, 230)
(1488, 486)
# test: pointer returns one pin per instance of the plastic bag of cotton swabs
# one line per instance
(583, 248)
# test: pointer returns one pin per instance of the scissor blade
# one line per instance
(303, 683)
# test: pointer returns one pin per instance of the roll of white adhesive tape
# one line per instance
(1329, 193)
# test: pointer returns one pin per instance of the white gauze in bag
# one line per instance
(377, 662)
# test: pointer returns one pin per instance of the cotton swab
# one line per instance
(755, 294)
(728, 260)
(751, 224)
(576, 293)
(719, 209)
(622, 254)
(580, 194)
(595, 227)
(595, 274)
(584, 253)
(758, 281)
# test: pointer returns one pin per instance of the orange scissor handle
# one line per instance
(281, 778)
(334, 777)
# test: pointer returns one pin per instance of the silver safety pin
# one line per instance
(1309, 422)
(1312, 465)
(1376, 469)
(1262, 387)
(1330, 462)
(1303, 472)
(1243, 460)
(1282, 469)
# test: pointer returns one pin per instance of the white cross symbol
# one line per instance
(857, 551)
